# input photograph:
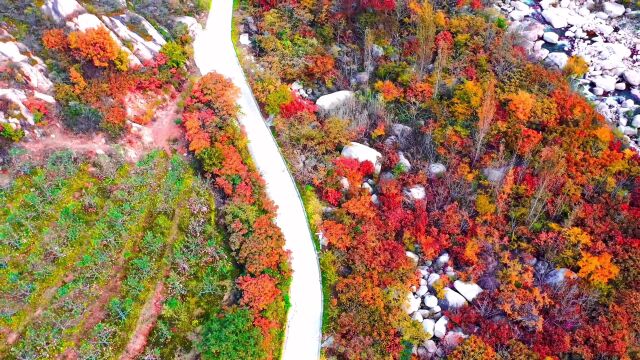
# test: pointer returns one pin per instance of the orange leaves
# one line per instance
(360, 207)
(95, 45)
(198, 138)
(218, 93)
(520, 104)
(258, 292)
(79, 84)
(55, 39)
(389, 90)
(336, 234)
(321, 66)
(597, 269)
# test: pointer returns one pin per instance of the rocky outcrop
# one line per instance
(30, 82)
(127, 28)
(606, 37)
(426, 302)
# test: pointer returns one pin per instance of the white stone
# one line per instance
(597, 91)
(432, 278)
(621, 86)
(605, 82)
(628, 130)
(442, 259)
(363, 153)
(559, 59)
(614, 9)
(417, 317)
(244, 39)
(412, 256)
(468, 290)
(518, 15)
(60, 10)
(333, 100)
(604, 29)
(557, 17)
(454, 299)
(583, 11)
(636, 121)
(10, 51)
(436, 309)
(422, 290)
(344, 182)
(440, 327)
(192, 24)
(143, 49)
(429, 326)
(602, 15)
(551, 37)
(541, 54)
(417, 192)
(366, 186)
(430, 301)
(436, 169)
(632, 77)
(519, 5)
(431, 346)
(402, 160)
(412, 304)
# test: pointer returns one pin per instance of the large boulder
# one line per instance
(557, 17)
(440, 327)
(143, 49)
(468, 290)
(454, 299)
(416, 192)
(60, 10)
(436, 169)
(605, 82)
(193, 26)
(429, 326)
(412, 304)
(632, 77)
(363, 153)
(495, 175)
(558, 59)
(333, 100)
(614, 9)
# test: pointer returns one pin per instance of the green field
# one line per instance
(98, 263)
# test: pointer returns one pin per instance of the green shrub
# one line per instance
(231, 337)
(175, 53)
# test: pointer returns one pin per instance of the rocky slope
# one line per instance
(606, 35)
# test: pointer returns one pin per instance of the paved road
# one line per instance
(214, 51)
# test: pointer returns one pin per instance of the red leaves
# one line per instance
(379, 5)
(296, 106)
(258, 292)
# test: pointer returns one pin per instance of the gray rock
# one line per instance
(614, 9)
(551, 37)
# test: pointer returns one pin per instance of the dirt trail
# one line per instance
(161, 133)
(153, 306)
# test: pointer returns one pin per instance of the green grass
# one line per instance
(82, 252)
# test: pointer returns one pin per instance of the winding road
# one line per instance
(214, 51)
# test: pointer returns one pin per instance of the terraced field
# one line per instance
(99, 264)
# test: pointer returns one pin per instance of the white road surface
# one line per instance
(214, 52)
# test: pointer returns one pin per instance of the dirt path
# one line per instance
(161, 133)
(214, 52)
(153, 306)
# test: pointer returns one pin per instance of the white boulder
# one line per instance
(632, 77)
(558, 59)
(605, 82)
(432, 278)
(454, 299)
(557, 17)
(363, 153)
(412, 256)
(436, 169)
(412, 304)
(442, 259)
(468, 290)
(614, 9)
(430, 301)
(429, 326)
(551, 37)
(422, 290)
(417, 192)
(191, 23)
(440, 327)
(60, 10)
(333, 100)
(244, 39)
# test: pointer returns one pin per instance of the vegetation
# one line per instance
(535, 180)
(94, 258)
